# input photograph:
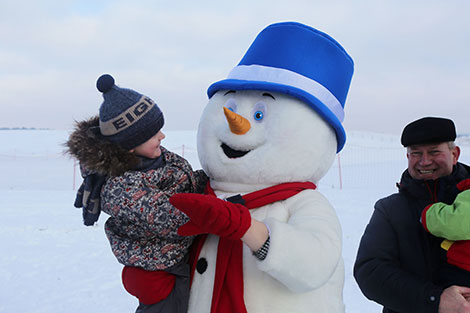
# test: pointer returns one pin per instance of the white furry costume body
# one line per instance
(303, 271)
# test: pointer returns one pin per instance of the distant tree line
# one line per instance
(23, 128)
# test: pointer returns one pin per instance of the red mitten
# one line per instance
(459, 254)
(211, 215)
(464, 184)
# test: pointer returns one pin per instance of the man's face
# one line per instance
(431, 161)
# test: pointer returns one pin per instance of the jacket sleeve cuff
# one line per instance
(433, 299)
(423, 217)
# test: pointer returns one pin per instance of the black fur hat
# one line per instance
(428, 130)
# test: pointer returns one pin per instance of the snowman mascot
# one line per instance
(270, 242)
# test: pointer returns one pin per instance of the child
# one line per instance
(128, 175)
(452, 222)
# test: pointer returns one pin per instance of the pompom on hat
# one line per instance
(299, 61)
(127, 117)
(428, 130)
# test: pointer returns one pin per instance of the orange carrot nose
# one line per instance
(238, 124)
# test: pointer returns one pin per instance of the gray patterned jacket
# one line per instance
(142, 229)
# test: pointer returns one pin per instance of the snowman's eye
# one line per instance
(259, 111)
(231, 104)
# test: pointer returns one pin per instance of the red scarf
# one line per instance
(227, 296)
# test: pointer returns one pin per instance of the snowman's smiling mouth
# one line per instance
(232, 153)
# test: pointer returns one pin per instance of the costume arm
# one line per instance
(450, 221)
(304, 251)
(380, 277)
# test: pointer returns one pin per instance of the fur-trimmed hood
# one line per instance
(97, 154)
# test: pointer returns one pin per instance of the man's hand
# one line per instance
(453, 300)
(211, 215)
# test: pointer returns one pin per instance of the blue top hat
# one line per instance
(299, 61)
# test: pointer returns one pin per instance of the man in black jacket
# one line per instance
(397, 260)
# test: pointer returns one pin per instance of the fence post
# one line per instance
(74, 170)
(339, 172)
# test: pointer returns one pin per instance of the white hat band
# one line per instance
(289, 78)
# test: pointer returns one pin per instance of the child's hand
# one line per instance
(211, 215)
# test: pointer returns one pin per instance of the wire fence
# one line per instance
(367, 161)
(59, 171)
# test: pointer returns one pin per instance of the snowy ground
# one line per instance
(50, 262)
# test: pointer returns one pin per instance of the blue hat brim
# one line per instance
(310, 100)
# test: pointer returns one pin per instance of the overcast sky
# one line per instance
(411, 57)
